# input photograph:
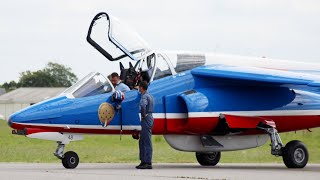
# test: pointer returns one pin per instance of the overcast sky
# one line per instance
(34, 32)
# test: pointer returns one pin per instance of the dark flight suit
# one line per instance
(145, 141)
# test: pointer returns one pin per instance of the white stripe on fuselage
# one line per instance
(68, 126)
(237, 113)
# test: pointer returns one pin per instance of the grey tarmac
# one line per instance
(93, 171)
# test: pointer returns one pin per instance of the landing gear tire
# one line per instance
(295, 154)
(208, 159)
(70, 160)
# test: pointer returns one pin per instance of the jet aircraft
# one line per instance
(205, 103)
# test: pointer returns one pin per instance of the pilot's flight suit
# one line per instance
(145, 141)
(122, 87)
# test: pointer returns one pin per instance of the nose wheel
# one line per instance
(70, 159)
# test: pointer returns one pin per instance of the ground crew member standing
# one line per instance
(145, 141)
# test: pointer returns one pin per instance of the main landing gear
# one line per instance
(70, 159)
(294, 154)
(208, 159)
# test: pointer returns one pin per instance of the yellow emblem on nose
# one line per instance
(105, 113)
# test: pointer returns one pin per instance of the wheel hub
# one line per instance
(212, 156)
(72, 160)
(299, 155)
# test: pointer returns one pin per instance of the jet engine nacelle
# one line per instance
(192, 118)
(198, 121)
(202, 106)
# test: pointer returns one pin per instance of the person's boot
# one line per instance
(145, 166)
(141, 164)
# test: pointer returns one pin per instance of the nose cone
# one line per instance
(37, 113)
(10, 121)
(15, 119)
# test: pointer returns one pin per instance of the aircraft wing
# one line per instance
(251, 76)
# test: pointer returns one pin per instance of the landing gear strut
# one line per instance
(70, 159)
(294, 154)
(276, 143)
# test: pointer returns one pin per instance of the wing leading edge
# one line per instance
(236, 75)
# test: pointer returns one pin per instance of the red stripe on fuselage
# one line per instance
(199, 125)
(294, 123)
(71, 130)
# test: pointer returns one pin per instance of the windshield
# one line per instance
(90, 85)
(79, 83)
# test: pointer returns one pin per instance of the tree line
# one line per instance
(52, 75)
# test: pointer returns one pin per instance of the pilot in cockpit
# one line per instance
(118, 85)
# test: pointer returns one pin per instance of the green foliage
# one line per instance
(36, 79)
(12, 85)
(53, 75)
(62, 75)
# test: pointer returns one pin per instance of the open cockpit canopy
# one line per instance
(115, 40)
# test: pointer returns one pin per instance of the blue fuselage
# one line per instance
(180, 95)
